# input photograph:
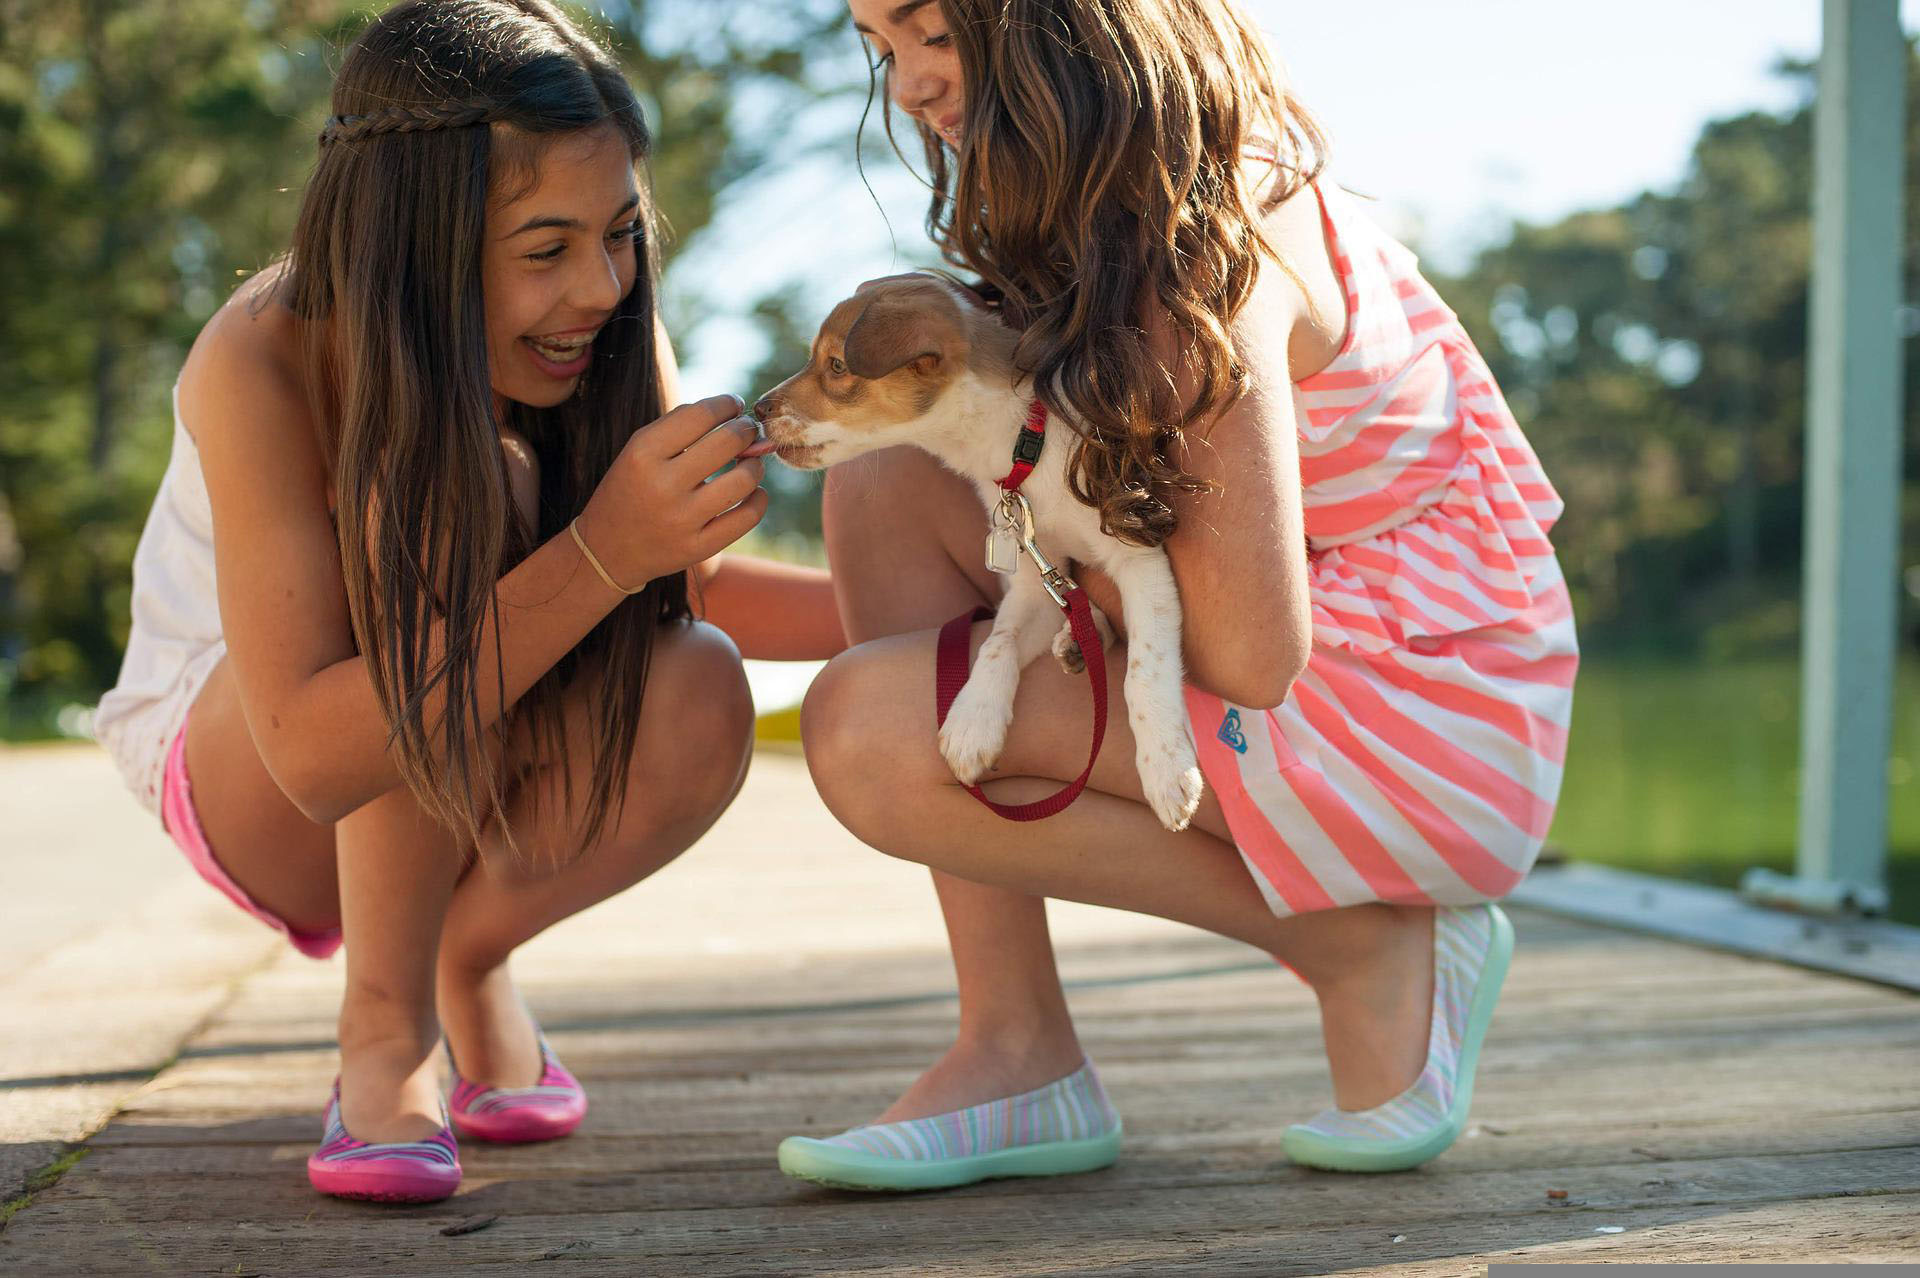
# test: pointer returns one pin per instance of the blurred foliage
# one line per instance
(144, 149)
(794, 511)
(1655, 355)
(151, 154)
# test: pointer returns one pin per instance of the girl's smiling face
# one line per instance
(910, 40)
(558, 259)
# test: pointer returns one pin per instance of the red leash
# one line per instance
(950, 654)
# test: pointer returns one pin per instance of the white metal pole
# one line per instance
(1853, 463)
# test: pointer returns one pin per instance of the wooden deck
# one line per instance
(1693, 1106)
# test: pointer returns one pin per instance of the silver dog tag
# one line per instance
(1003, 548)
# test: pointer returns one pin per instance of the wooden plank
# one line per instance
(788, 1081)
(619, 1062)
(1859, 1231)
(1501, 1208)
(1219, 1008)
(147, 1183)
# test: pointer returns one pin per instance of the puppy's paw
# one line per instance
(1170, 776)
(974, 734)
(1067, 652)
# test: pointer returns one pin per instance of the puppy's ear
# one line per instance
(896, 331)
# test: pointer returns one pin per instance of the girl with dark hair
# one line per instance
(1379, 644)
(413, 662)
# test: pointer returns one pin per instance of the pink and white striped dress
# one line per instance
(1418, 759)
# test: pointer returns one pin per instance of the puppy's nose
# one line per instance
(762, 407)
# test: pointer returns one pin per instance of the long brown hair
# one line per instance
(439, 106)
(1102, 173)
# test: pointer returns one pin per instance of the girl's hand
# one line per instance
(657, 512)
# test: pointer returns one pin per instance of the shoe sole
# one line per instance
(838, 1167)
(1314, 1149)
(381, 1187)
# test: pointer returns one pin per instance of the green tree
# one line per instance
(1655, 353)
(145, 150)
(151, 153)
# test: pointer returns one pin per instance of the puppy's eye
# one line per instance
(837, 366)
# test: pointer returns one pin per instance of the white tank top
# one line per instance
(175, 641)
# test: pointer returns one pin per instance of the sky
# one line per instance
(1458, 116)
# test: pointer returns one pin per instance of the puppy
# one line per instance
(914, 359)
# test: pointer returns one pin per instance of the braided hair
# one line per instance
(405, 119)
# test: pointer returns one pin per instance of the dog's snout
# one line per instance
(764, 407)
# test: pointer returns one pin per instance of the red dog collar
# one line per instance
(1026, 449)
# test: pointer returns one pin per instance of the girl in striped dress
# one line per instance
(1381, 719)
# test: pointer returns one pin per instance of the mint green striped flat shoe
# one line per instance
(1065, 1127)
(1472, 948)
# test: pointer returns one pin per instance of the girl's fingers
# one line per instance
(731, 525)
(732, 488)
(715, 449)
(688, 424)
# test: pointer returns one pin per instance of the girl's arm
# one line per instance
(1239, 553)
(306, 692)
(772, 611)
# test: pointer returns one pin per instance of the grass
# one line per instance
(1690, 769)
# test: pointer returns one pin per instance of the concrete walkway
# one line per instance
(1692, 1106)
(112, 951)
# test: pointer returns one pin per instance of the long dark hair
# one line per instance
(1103, 169)
(439, 106)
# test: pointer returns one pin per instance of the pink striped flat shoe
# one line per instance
(413, 1171)
(550, 1109)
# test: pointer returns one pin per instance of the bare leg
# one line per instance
(905, 538)
(397, 873)
(397, 869)
(284, 861)
(388, 875)
(869, 734)
(383, 874)
(690, 758)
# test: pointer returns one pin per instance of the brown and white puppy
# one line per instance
(914, 359)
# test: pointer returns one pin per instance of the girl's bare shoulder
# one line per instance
(1302, 310)
(251, 345)
(243, 388)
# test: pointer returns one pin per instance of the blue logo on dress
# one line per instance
(1230, 731)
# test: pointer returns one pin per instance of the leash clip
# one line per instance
(1019, 516)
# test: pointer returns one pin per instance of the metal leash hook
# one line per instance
(1019, 515)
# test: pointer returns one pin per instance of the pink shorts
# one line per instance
(183, 823)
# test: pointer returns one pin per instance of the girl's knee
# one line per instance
(698, 691)
(827, 733)
(856, 762)
(711, 683)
